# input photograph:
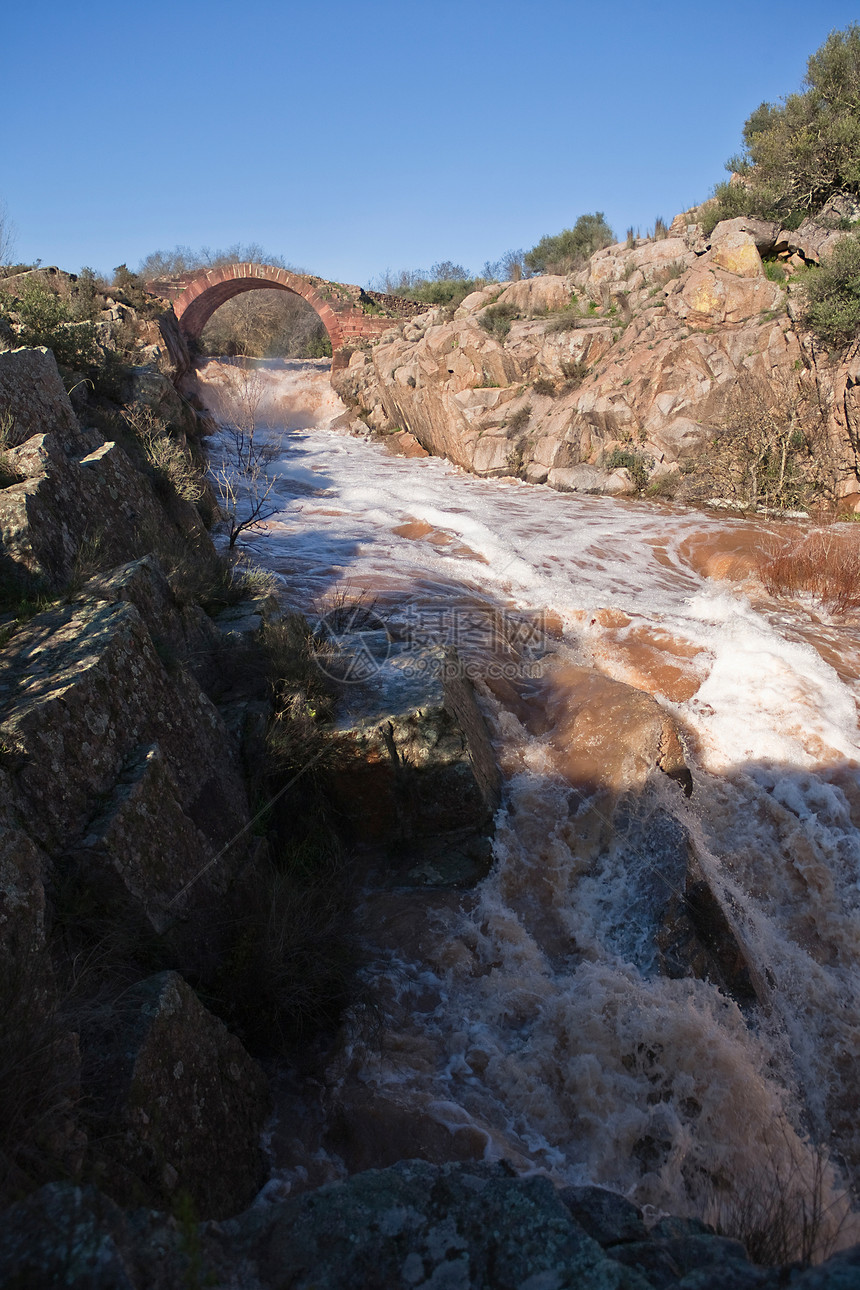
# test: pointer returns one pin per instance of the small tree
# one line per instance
(800, 152)
(244, 487)
(566, 250)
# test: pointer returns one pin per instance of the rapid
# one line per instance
(529, 1019)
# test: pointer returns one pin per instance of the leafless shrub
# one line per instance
(785, 1211)
(244, 487)
(772, 448)
(518, 421)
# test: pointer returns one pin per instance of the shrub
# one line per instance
(9, 473)
(636, 466)
(566, 250)
(574, 371)
(48, 320)
(788, 1210)
(772, 448)
(543, 385)
(446, 284)
(518, 420)
(497, 319)
(832, 293)
(665, 487)
(567, 321)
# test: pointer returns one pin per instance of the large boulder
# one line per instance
(713, 295)
(418, 763)
(34, 399)
(179, 1102)
(67, 512)
(117, 760)
(613, 736)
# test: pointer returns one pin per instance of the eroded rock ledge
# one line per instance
(637, 353)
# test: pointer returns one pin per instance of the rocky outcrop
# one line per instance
(33, 400)
(173, 1092)
(639, 353)
(124, 823)
(467, 1226)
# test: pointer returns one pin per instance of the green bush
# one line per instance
(636, 466)
(832, 292)
(800, 152)
(564, 251)
(497, 319)
(48, 320)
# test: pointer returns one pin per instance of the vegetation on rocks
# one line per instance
(805, 150)
(562, 252)
(832, 295)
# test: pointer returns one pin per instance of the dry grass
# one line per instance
(292, 967)
(789, 1210)
(168, 458)
(824, 564)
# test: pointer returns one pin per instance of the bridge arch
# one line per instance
(208, 289)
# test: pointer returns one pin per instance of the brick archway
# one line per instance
(207, 291)
(348, 313)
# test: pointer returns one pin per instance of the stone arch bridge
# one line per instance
(348, 313)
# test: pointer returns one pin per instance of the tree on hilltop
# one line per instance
(800, 152)
(565, 251)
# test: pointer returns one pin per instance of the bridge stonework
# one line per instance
(348, 313)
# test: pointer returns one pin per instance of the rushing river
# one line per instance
(528, 1020)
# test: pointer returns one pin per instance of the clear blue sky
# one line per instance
(357, 135)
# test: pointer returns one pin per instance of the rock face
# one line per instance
(468, 1227)
(123, 821)
(175, 1092)
(638, 352)
(34, 399)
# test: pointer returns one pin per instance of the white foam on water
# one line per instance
(554, 1034)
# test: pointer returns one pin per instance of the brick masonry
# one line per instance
(342, 308)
